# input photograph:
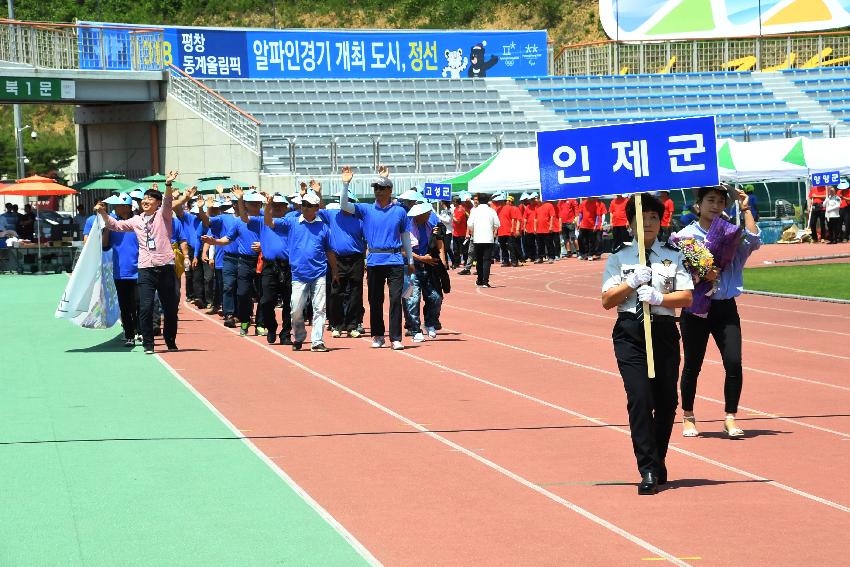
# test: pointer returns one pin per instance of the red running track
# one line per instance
(505, 441)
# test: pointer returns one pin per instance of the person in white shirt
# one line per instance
(482, 227)
(832, 204)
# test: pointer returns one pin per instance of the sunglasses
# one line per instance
(379, 188)
(308, 206)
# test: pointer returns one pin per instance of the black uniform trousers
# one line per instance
(531, 250)
(276, 283)
(190, 277)
(376, 277)
(203, 280)
(128, 303)
(588, 244)
(818, 218)
(345, 298)
(620, 235)
(651, 403)
(845, 220)
(510, 254)
(483, 257)
(246, 289)
(158, 281)
(724, 324)
(459, 251)
(834, 225)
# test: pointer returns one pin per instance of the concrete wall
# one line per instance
(197, 148)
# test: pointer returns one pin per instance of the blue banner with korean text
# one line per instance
(826, 178)
(657, 155)
(339, 54)
(437, 191)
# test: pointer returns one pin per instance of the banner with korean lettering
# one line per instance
(657, 155)
(826, 178)
(437, 191)
(339, 54)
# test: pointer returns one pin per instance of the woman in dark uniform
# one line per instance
(665, 285)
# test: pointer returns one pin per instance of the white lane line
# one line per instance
(486, 462)
(324, 514)
(557, 407)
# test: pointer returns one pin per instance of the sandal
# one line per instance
(689, 426)
(732, 432)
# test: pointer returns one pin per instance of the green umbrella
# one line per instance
(146, 183)
(461, 182)
(107, 182)
(209, 183)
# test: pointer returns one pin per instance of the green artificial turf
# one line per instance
(819, 280)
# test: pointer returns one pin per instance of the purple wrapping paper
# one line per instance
(722, 240)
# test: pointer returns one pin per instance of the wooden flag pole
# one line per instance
(647, 323)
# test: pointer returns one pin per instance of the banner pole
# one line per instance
(647, 323)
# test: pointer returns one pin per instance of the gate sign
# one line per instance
(657, 155)
(438, 191)
(826, 178)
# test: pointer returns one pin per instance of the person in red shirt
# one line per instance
(544, 219)
(589, 225)
(601, 211)
(817, 212)
(528, 228)
(507, 229)
(567, 211)
(555, 231)
(844, 193)
(460, 213)
(619, 223)
(669, 209)
(516, 235)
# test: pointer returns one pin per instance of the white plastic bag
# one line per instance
(90, 299)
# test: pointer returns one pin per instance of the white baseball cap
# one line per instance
(412, 195)
(311, 198)
(118, 200)
(253, 197)
(419, 209)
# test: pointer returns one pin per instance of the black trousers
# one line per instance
(588, 242)
(620, 235)
(345, 298)
(818, 218)
(393, 277)
(447, 245)
(530, 242)
(834, 229)
(555, 242)
(160, 281)
(724, 324)
(190, 277)
(128, 302)
(651, 403)
(203, 281)
(246, 289)
(276, 283)
(483, 257)
(510, 254)
(218, 287)
(459, 251)
(845, 220)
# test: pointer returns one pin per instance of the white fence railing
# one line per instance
(240, 125)
(770, 53)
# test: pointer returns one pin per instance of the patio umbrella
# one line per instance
(37, 186)
(207, 185)
(146, 183)
(115, 182)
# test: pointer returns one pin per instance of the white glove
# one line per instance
(648, 294)
(641, 275)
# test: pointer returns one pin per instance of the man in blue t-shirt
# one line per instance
(421, 226)
(276, 275)
(345, 300)
(212, 255)
(310, 255)
(385, 229)
(125, 268)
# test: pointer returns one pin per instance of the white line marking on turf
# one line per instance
(486, 462)
(325, 515)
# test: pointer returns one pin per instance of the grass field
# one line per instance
(821, 280)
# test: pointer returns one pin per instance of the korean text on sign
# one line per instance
(628, 158)
(438, 191)
(826, 178)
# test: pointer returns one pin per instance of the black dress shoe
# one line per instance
(171, 346)
(648, 484)
(285, 340)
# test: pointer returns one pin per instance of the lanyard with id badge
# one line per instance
(149, 239)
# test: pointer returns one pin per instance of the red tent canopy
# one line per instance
(36, 186)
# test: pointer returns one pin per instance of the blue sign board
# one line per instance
(342, 54)
(657, 155)
(826, 178)
(438, 191)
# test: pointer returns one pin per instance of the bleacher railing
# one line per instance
(765, 53)
(69, 46)
(240, 125)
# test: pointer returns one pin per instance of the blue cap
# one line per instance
(119, 200)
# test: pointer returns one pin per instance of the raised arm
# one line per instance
(115, 225)
(168, 198)
(268, 219)
(344, 204)
(182, 199)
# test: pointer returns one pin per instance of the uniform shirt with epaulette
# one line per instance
(668, 273)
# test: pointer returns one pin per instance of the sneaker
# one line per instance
(551, 261)
(148, 350)
(261, 331)
(464, 272)
(408, 333)
(397, 345)
(377, 342)
(354, 334)
(335, 333)
(243, 330)
(212, 310)
(271, 337)
(139, 338)
(229, 322)
(432, 332)
(417, 338)
(296, 345)
(319, 347)
(130, 343)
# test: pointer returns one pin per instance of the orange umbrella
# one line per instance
(36, 186)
